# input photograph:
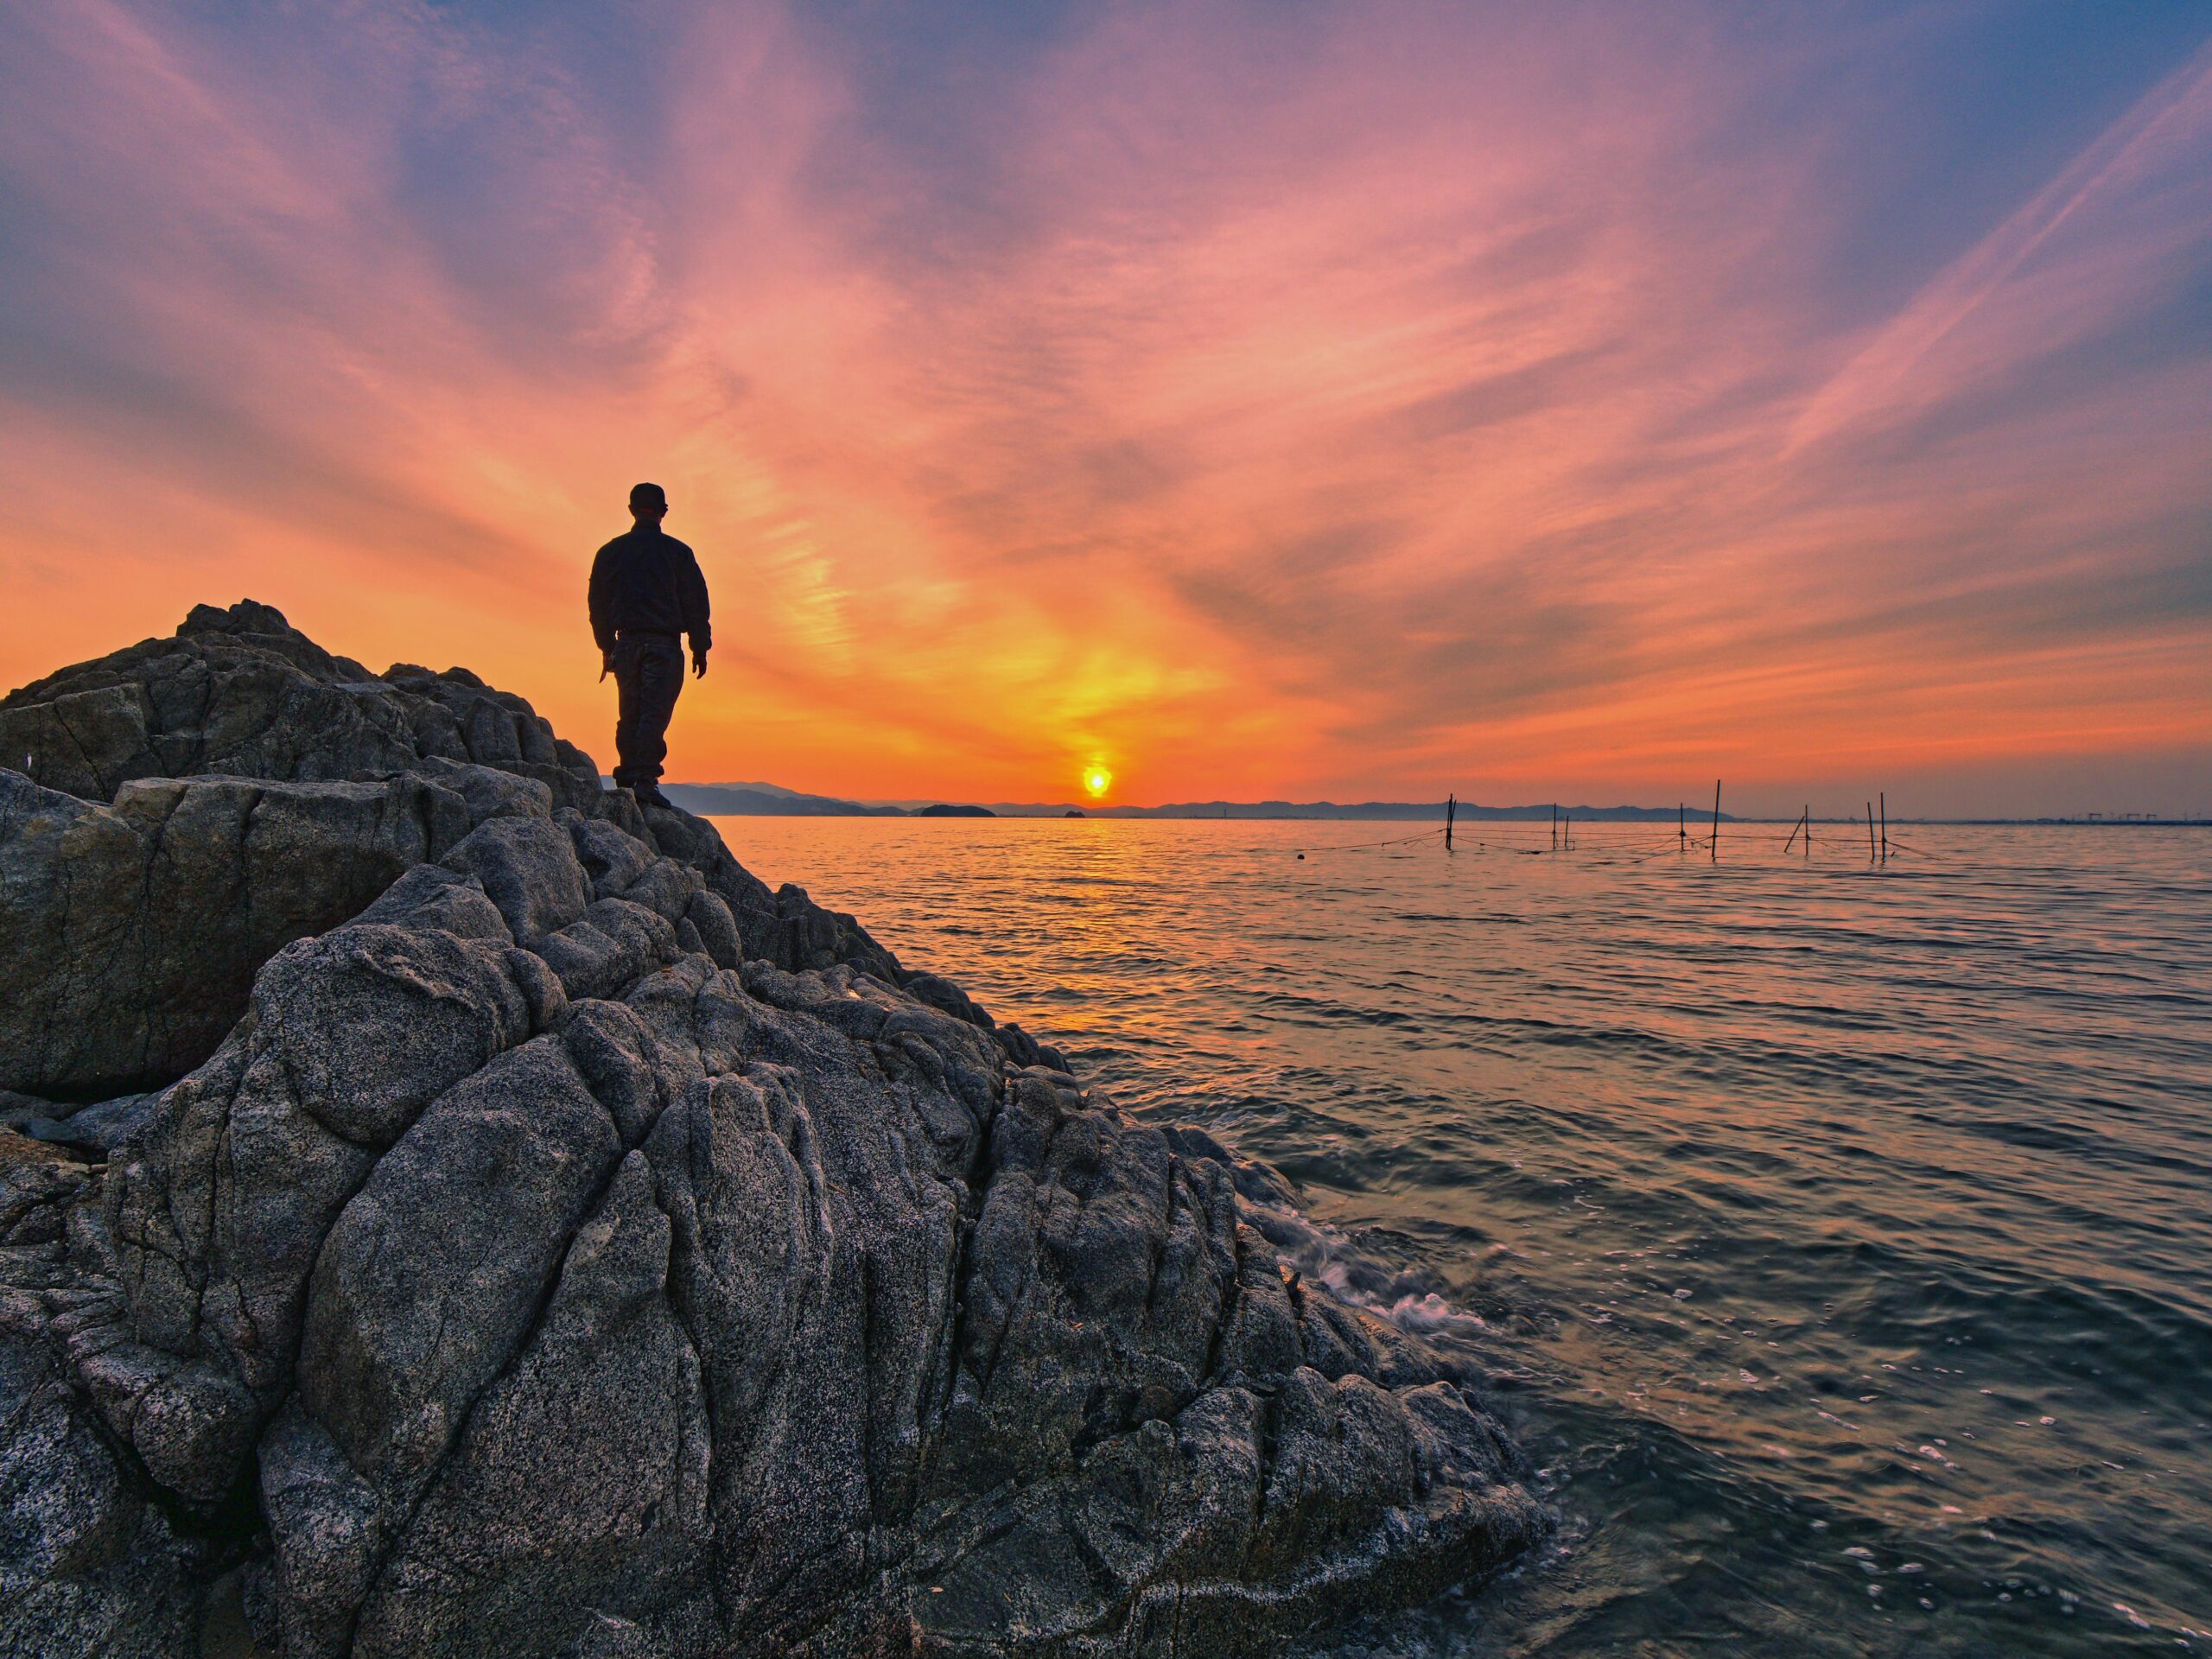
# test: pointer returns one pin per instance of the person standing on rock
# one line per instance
(647, 591)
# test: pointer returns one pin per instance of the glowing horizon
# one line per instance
(1242, 402)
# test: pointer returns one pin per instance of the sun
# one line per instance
(1097, 780)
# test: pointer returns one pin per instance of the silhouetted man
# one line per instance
(645, 591)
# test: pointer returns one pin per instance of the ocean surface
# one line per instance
(1836, 1238)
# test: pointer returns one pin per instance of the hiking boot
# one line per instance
(650, 795)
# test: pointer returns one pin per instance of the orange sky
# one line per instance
(1254, 401)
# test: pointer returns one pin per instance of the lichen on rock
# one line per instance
(499, 1224)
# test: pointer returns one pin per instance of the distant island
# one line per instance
(767, 801)
(759, 800)
(1384, 811)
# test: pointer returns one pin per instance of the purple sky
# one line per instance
(1277, 399)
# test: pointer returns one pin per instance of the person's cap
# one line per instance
(648, 495)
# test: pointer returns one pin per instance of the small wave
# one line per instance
(1429, 1313)
(1327, 1256)
(1921, 1145)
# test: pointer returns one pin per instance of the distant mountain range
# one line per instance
(769, 801)
(773, 801)
(1395, 811)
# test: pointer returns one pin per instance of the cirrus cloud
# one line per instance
(1289, 401)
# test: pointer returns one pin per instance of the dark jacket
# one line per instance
(647, 582)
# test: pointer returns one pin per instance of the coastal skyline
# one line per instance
(1241, 402)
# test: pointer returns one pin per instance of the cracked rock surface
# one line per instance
(471, 1216)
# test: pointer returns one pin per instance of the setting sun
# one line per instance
(1097, 779)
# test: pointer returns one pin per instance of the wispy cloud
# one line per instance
(1262, 399)
(2130, 216)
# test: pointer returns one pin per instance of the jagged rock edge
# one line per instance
(947, 1347)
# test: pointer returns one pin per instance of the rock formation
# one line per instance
(471, 1216)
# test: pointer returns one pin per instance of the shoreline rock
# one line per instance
(522, 1232)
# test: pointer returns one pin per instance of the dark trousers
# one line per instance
(648, 674)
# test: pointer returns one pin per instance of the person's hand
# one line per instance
(698, 664)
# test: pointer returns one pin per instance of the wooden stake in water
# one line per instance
(1870, 832)
(1716, 820)
(1794, 829)
(1681, 826)
(1451, 811)
(1554, 826)
(1808, 829)
(1885, 826)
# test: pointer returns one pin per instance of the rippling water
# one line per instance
(1840, 1238)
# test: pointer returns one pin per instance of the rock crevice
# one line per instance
(476, 1217)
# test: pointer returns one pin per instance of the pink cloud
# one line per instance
(1270, 404)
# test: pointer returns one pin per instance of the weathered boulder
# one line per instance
(239, 691)
(189, 805)
(129, 935)
(567, 1246)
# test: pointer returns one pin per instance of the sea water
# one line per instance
(1835, 1235)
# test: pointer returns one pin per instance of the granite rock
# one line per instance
(522, 1232)
(131, 934)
